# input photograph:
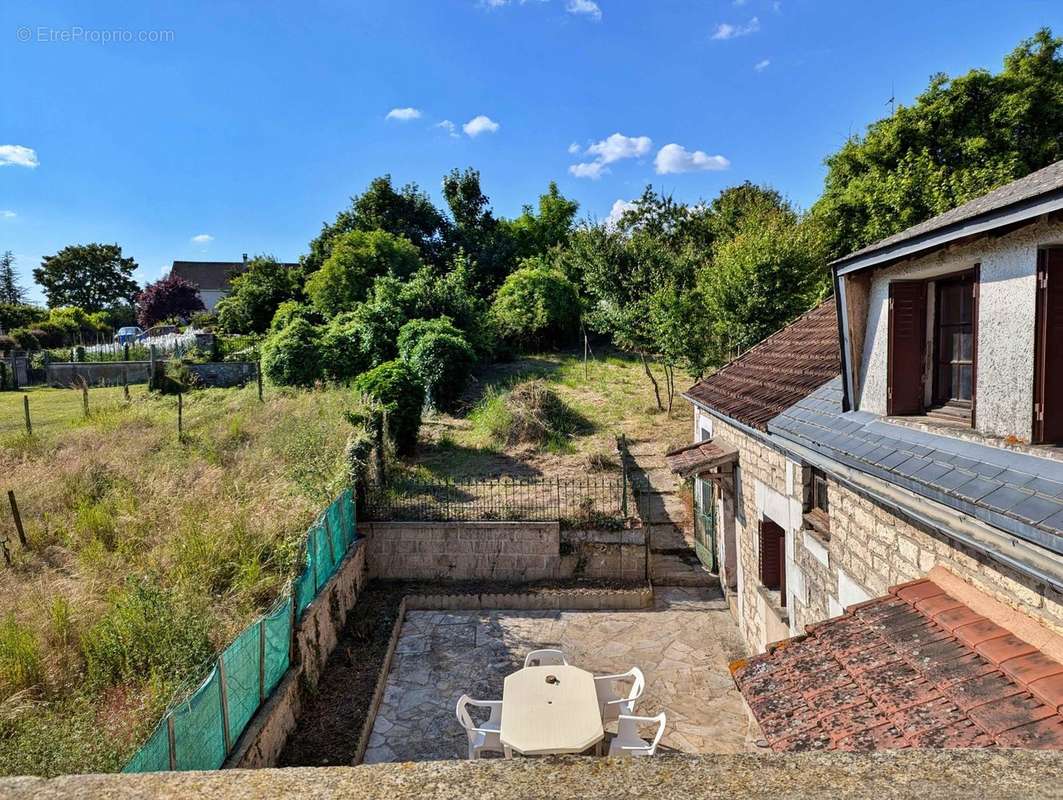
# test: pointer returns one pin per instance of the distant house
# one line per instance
(891, 462)
(212, 277)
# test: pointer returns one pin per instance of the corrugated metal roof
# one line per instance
(778, 372)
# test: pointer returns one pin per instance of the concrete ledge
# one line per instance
(934, 774)
(561, 599)
(381, 685)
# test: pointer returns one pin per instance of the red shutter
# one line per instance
(976, 290)
(770, 563)
(905, 348)
(1048, 363)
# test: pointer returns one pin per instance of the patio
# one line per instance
(683, 646)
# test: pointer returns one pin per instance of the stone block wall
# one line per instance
(223, 374)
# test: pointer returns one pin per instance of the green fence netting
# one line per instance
(207, 725)
(242, 661)
(198, 732)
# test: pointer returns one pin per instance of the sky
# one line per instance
(205, 130)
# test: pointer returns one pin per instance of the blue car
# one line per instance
(127, 335)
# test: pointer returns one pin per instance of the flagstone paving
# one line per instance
(683, 646)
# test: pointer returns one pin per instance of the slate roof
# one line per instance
(916, 668)
(777, 372)
(211, 275)
(1011, 490)
(1043, 181)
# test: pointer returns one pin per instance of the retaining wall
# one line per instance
(220, 374)
(501, 551)
(316, 638)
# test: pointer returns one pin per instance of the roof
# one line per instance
(916, 668)
(211, 275)
(1019, 197)
(697, 458)
(773, 375)
(1011, 490)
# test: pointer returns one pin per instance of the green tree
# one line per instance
(536, 306)
(395, 387)
(93, 277)
(256, 294)
(428, 295)
(357, 258)
(536, 234)
(407, 212)
(772, 271)
(476, 232)
(10, 291)
(292, 355)
(962, 137)
(439, 356)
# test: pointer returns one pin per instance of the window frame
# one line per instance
(966, 278)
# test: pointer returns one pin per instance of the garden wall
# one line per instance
(222, 374)
(501, 551)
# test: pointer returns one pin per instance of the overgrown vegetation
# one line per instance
(146, 554)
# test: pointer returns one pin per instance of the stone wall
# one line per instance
(316, 637)
(870, 547)
(501, 551)
(221, 374)
(224, 374)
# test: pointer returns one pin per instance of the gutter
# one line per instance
(1002, 547)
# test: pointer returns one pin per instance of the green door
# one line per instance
(705, 523)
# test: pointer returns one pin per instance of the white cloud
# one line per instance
(618, 146)
(449, 127)
(202, 238)
(586, 8)
(674, 158)
(574, 148)
(8, 214)
(726, 30)
(480, 124)
(15, 155)
(591, 169)
(760, 66)
(620, 207)
(403, 114)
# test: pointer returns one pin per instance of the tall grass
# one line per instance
(20, 657)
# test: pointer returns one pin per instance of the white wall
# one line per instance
(210, 297)
(1006, 312)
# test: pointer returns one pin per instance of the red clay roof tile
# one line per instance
(890, 673)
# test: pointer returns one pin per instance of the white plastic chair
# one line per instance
(486, 736)
(545, 658)
(629, 743)
(612, 704)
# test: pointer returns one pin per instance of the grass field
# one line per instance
(146, 553)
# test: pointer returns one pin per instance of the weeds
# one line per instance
(20, 657)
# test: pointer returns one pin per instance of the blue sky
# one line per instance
(248, 124)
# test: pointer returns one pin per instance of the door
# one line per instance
(705, 523)
(954, 341)
(1048, 360)
(905, 348)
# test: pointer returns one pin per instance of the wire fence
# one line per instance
(201, 730)
(576, 502)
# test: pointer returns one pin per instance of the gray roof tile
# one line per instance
(976, 488)
(1004, 498)
(1036, 508)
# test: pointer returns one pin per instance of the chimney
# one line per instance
(245, 258)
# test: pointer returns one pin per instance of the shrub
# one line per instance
(20, 658)
(440, 358)
(395, 387)
(18, 315)
(293, 309)
(7, 343)
(358, 257)
(292, 356)
(342, 354)
(536, 306)
(172, 296)
(25, 339)
(379, 319)
(147, 633)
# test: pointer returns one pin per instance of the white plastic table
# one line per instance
(540, 717)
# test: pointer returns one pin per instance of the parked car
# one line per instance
(128, 335)
(157, 330)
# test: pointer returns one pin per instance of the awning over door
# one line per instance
(700, 458)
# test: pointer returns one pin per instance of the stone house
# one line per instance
(908, 426)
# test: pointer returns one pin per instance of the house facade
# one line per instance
(213, 278)
(905, 427)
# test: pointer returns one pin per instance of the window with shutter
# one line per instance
(905, 348)
(773, 557)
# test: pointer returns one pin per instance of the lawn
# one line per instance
(146, 553)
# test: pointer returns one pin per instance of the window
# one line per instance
(773, 558)
(954, 341)
(819, 491)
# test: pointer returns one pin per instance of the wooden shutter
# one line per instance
(1048, 360)
(976, 291)
(905, 348)
(770, 551)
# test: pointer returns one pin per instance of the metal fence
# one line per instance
(575, 502)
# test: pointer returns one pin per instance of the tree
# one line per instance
(357, 258)
(537, 305)
(772, 271)
(172, 296)
(256, 293)
(10, 291)
(475, 230)
(93, 277)
(292, 355)
(408, 213)
(536, 234)
(963, 137)
(395, 387)
(439, 356)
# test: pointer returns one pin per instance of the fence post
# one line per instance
(125, 382)
(222, 690)
(262, 660)
(328, 535)
(152, 385)
(172, 737)
(26, 411)
(258, 376)
(85, 396)
(17, 516)
(291, 625)
(558, 498)
(125, 351)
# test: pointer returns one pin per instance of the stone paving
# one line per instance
(683, 646)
